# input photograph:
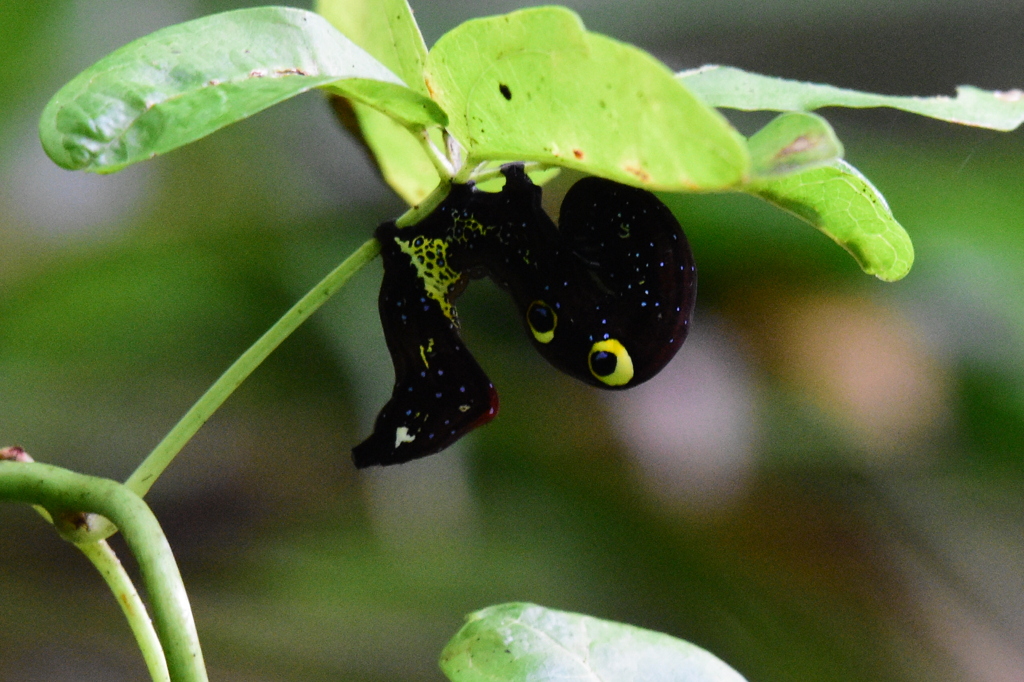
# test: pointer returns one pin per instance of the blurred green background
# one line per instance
(826, 484)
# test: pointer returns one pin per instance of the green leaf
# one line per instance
(844, 205)
(399, 154)
(186, 81)
(387, 30)
(535, 85)
(793, 142)
(529, 643)
(406, 106)
(726, 86)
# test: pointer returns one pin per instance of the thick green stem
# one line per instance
(158, 460)
(64, 493)
(120, 583)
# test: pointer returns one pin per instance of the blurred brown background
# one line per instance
(826, 484)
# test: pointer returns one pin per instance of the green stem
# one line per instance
(481, 175)
(62, 492)
(158, 460)
(442, 164)
(120, 583)
(424, 208)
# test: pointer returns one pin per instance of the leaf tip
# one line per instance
(898, 270)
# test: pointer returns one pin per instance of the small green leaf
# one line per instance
(403, 104)
(793, 142)
(729, 87)
(387, 30)
(535, 85)
(844, 205)
(528, 643)
(183, 82)
(399, 154)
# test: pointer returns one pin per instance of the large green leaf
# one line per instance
(535, 85)
(528, 643)
(387, 30)
(186, 81)
(729, 87)
(844, 205)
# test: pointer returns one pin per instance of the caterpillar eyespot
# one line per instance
(606, 297)
(610, 362)
(542, 321)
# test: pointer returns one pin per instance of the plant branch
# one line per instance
(106, 562)
(142, 480)
(425, 207)
(65, 494)
(443, 165)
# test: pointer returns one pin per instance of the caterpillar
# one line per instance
(606, 296)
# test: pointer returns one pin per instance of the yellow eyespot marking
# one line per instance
(424, 351)
(542, 320)
(430, 258)
(610, 362)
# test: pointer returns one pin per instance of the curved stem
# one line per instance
(106, 562)
(154, 465)
(64, 493)
(120, 583)
(442, 164)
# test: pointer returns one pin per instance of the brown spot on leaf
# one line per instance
(578, 153)
(290, 72)
(800, 144)
(257, 73)
(639, 172)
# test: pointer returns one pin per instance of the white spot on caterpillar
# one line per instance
(402, 436)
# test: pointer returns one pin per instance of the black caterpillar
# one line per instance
(606, 297)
